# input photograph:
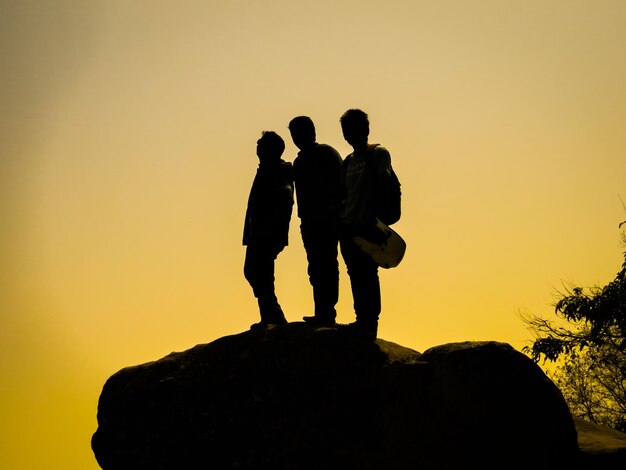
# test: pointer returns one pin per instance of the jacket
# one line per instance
(270, 205)
(317, 176)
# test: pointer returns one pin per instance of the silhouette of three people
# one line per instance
(337, 200)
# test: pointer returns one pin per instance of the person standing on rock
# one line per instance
(317, 178)
(365, 171)
(266, 225)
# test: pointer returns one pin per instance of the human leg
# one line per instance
(259, 272)
(365, 286)
(320, 243)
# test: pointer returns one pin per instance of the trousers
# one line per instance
(321, 246)
(258, 270)
(364, 282)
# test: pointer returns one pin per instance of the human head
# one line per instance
(270, 146)
(356, 127)
(302, 131)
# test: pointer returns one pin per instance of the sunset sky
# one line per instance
(127, 140)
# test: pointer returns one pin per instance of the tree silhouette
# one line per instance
(590, 351)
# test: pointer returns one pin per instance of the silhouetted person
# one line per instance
(317, 177)
(365, 170)
(266, 227)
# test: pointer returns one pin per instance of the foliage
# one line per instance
(593, 384)
(590, 352)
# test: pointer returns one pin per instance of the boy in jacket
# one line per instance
(365, 171)
(317, 178)
(266, 226)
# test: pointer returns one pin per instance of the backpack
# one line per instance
(389, 199)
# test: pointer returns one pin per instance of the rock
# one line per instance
(297, 397)
(600, 447)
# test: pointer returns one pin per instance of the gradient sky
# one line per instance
(127, 140)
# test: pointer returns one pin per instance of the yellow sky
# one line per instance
(128, 149)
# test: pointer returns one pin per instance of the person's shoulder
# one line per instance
(285, 168)
(380, 151)
(378, 148)
(327, 148)
(329, 151)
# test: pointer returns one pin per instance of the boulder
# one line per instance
(600, 447)
(297, 397)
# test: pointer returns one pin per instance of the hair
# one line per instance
(303, 125)
(302, 122)
(355, 119)
(273, 143)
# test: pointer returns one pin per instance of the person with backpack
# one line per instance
(266, 225)
(317, 178)
(371, 192)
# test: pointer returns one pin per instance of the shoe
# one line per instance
(317, 321)
(360, 330)
(268, 323)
